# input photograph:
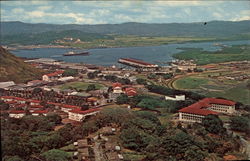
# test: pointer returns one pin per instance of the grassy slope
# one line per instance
(234, 53)
(14, 69)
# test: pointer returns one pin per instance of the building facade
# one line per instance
(207, 106)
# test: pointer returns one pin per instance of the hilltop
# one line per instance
(14, 69)
(121, 35)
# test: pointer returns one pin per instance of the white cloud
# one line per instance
(17, 10)
(243, 15)
(99, 12)
(123, 18)
(24, 3)
(185, 3)
(44, 8)
(36, 14)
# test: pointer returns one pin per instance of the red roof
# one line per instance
(70, 106)
(53, 103)
(34, 101)
(116, 85)
(86, 111)
(20, 105)
(16, 112)
(11, 102)
(219, 101)
(130, 91)
(20, 99)
(199, 108)
(8, 97)
(136, 61)
(36, 106)
(56, 73)
(40, 111)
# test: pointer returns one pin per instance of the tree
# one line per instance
(3, 105)
(13, 158)
(240, 123)
(54, 118)
(91, 87)
(168, 75)
(189, 70)
(70, 72)
(91, 75)
(122, 99)
(152, 76)
(56, 155)
(213, 124)
(177, 70)
(141, 81)
(37, 90)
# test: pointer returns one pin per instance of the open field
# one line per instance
(213, 84)
(190, 82)
(234, 53)
(79, 85)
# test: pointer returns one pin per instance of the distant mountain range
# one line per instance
(211, 29)
(14, 33)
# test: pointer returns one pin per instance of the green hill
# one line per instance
(14, 69)
(49, 37)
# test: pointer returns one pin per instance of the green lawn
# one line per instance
(79, 85)
(238, 93)
(190, 83)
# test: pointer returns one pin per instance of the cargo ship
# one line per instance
(72, 53)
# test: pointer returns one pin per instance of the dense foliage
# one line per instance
(30, 136)
(241, 123)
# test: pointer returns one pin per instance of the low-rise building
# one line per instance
(53, 76)
(79, 115)
(176, 98)
(67, 108)
(16, 114)
(207, 106)
(40, 112)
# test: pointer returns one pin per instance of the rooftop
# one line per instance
(199, 108)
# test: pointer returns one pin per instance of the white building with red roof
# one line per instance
(207, 106)
(79, 115)
(39, 112)
(53, 76)
(34, 102)
(16, 114)
(66, 108)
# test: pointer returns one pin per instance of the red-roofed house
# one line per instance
(207, 106)
(34, 102)
(79, 115)
(16, 114)
(67, 108)
(53, 76)
(20, 100)
(130, 92)
(7, 98)
(39, 112)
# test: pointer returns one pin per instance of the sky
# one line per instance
(115, 12)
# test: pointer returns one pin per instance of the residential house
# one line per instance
(53, 76)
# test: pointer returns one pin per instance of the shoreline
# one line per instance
(32, 47)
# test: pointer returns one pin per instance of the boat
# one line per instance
(72, 53)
